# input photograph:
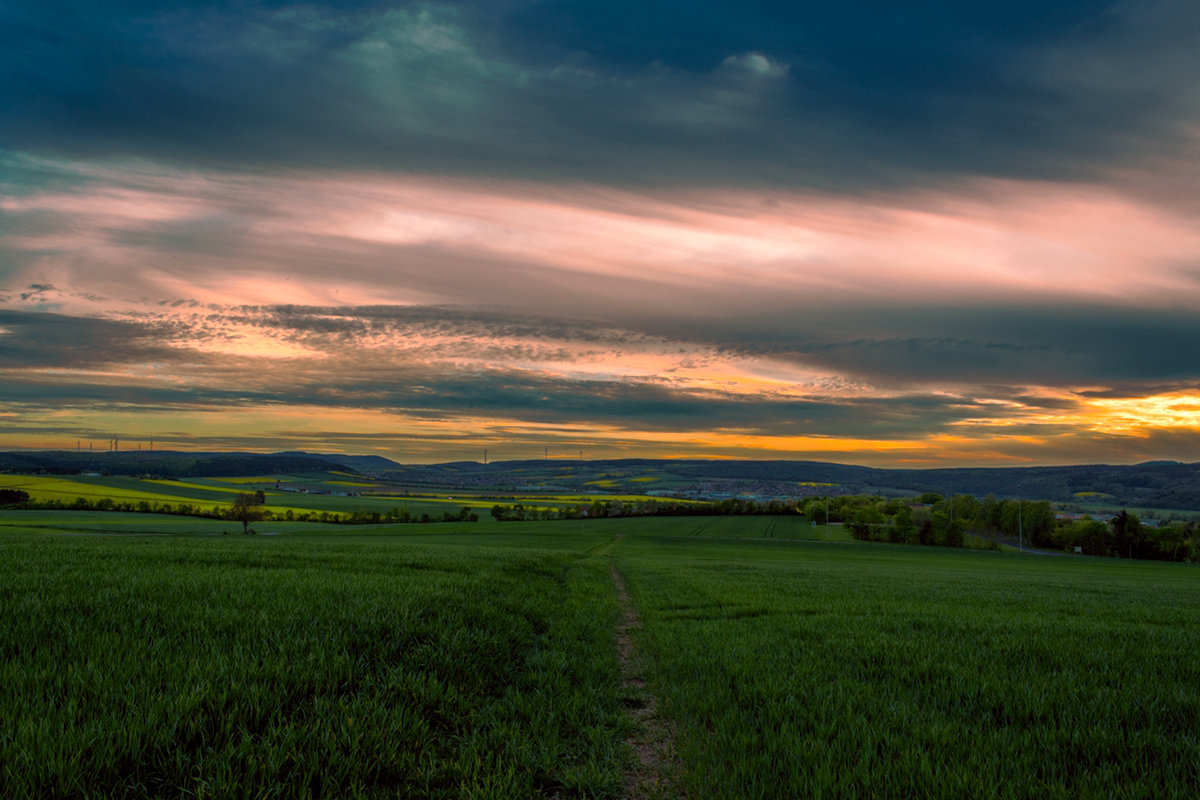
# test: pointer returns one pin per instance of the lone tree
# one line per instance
(10, 497)
(248, 508)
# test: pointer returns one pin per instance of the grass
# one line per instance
(305, 665)
(463, 660)
(822, 670)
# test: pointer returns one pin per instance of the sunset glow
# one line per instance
(519, 244)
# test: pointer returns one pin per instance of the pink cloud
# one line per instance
(271, 240)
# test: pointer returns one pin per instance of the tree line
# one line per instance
(246, 507)
(602, 509)
(928, 519)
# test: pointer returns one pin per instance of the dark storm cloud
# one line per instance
(990, 347)
(850, 96)
(57, 341)
(1032, 344)
(388, 359)
(432, 393)
(39, 393)
(470, 325)
(1126, 391)
(1099, 350)
(37, 348)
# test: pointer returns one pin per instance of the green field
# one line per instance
(149, 656)
(826, 670)
(134, 491)
(205, 494)
(333, 492)
(295, 666)
(41, 487)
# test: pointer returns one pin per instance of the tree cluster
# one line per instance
(931, 519)
(601, 509)
(935, 520)
(1126, 537)
(12, 497)
(249, 510)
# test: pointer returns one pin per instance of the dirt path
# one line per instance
(653, 774)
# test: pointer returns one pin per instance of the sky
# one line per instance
(939, 235)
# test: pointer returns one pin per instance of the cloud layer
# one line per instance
(959, 235)
(861, 97)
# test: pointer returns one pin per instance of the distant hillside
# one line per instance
(166, 463)
(359, 463)
(1155, 484)
(1159, 484)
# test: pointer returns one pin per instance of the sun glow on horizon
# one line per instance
(412, 439)
(421, 313)
(1132, 416)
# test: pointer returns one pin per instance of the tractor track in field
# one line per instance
(654, 773)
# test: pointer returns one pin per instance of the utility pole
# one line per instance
(1020, 526)
(485, 456)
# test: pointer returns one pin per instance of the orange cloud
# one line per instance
(1135, 416)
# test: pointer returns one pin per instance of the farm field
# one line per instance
(296, 665)
(207, 493)
(826, 670)
(333, 492)
(42, 487)
(151, 656)
(132, 491)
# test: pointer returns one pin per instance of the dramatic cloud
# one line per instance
(634, 94)
(958, 234)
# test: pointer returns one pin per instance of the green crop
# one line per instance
(149, 656)
(827, 670)
(300, 666)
